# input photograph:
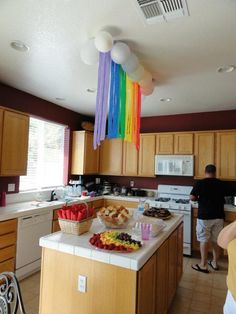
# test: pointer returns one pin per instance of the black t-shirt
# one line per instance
(210, 193)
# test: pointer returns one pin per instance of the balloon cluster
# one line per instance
(120, 54)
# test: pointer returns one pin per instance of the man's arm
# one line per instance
(227, 235)
(193, 197)
(195, 192)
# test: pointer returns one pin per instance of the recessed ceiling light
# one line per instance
(226, 69)
(59, 98)
(165, 99)
(91, 90)
(19, 46)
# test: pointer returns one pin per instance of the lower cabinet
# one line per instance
(159, 277)
(8, 230)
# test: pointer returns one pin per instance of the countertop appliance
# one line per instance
(175, 198)
(28, 252)
(174, 165)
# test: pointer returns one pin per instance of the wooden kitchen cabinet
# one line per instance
(204, 152)
(226, 155)
(164, 143)
(195, 243)
(85, 160)
(14, 138)
(111, 157)
(183, 143)
(172, 269)
(146, 165)
(180, 233)
(147, 287)
(112, 202)
(161, 278)
(130, 159)
(8, 230)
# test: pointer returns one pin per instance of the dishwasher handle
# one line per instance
(25, 221)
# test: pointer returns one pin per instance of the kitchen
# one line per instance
(198, 120)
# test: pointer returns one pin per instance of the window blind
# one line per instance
(45, 155)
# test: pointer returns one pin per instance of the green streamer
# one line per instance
(122, 86)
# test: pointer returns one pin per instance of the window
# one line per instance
(46, 155)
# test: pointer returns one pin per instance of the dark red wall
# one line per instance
(190, 122)
(18, 100)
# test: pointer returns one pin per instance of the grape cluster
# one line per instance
(127, 238)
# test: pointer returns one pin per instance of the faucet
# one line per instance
(52, 197)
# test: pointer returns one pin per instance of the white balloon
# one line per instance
(120, 52)
(88, 53)
(146, 79)
(103, 41)
(147, 91)
(131, 64)
(137, 75)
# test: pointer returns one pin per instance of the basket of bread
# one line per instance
(115, 217)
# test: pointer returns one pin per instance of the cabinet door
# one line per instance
(1, 125)
(147, 155)
(226, 155)
(147, 287)
(111, 157)
(204, 150)
(183, 143)
(195, 243)
(162, 278)
(164, 144)
(91, 156)
(172, 261)
(14, 144)
(130, 159)
(180, 253)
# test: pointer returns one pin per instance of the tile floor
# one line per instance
(197, 292)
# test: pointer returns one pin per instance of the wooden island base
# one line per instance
(111, 289)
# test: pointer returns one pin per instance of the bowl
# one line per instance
(114, 217)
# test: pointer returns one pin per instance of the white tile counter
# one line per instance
(80, 246)
(21, 209)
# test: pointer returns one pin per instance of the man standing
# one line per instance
(210, 193)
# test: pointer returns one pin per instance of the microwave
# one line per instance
(174, 165)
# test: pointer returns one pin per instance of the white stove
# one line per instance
(175, 198)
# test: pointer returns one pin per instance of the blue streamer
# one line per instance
(114, 103)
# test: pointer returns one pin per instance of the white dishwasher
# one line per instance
(28, 252)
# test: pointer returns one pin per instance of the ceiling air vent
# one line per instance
(160, 10)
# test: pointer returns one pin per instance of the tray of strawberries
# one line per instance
(115, 241)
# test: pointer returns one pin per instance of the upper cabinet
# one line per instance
(85, 160)
(111, 157)
(164, 144)
(226, 155)
(130, 159)
(183, 143)
(146, 164)
(14, 140)
(204, 151)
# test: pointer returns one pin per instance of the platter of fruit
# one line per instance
(115, 217)
(115, 241)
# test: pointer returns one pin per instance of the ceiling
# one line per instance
(182, 55)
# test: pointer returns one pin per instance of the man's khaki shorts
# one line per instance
(208, 230)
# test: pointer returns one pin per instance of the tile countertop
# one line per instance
(80, 246)
(21, 209)
(227, 207)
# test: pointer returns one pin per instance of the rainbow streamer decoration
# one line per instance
(119, 99)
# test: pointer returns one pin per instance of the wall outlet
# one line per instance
(11, 187)
(97, 180)
(82, 283)
(131, 183)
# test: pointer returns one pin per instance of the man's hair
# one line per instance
(210, 169)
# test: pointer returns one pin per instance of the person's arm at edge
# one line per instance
(194, 193)
(227, 235)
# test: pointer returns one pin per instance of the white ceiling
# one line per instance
(182, 55)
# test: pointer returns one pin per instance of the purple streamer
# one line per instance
(102, 98)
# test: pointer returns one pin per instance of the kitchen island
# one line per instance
(142, 282)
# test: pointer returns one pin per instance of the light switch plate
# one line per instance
(82, 283)
(11, 187)
(131, 183)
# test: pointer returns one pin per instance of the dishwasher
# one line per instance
(28, 252)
